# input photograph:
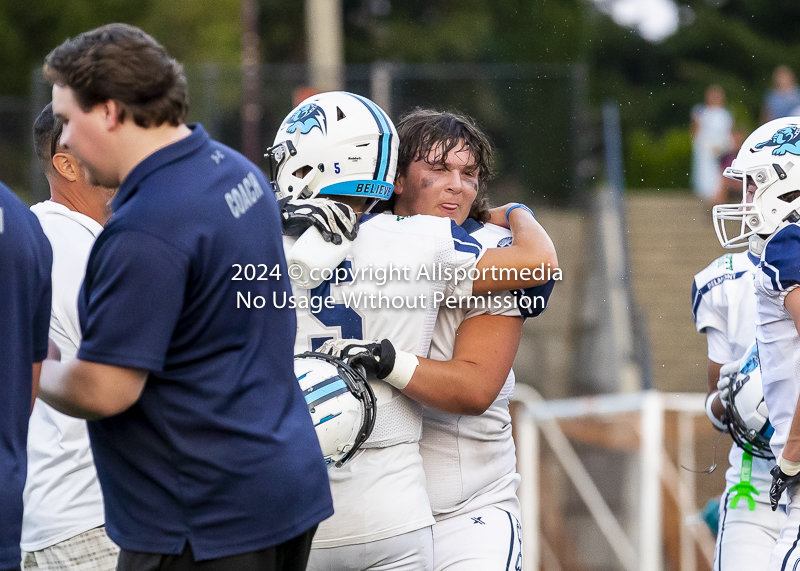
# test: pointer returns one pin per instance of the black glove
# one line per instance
(377, 358)
(779, 483)
(334, 220)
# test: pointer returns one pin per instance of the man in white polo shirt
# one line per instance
(63, 522)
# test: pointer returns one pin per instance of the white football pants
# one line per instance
(746, 538)
(484, 539)
(412, 551)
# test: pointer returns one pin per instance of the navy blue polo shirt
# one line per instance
(219, 450)
(25, 264)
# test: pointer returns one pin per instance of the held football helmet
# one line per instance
(748, 417)
(341, 403)
(770, 161)
(334, 143)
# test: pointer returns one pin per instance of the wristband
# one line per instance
(714, 420)
(787, 466)
(518, 206)
(404, 366)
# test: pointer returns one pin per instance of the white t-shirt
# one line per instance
(381, 493)
(62, 495)
(470, 461)
(724, 308)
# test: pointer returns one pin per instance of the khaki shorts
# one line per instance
(89, 551)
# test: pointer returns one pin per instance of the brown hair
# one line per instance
(123, 63)
(422, 131)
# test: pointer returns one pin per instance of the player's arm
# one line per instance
(531, 248)
(90, 390)
(37, 370)
(484, 351)
(713, 375)
(791, 451)
(715, 409)
(787, 468)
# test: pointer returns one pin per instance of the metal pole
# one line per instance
(380, 85)
(612, 140)
(325, 44)
(686, 491)
(210, 78)
(527, 442)
(650, 508)
(251, 107)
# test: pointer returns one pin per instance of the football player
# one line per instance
(467, 448)
(724, 309)
(383, 516)
(767, 166)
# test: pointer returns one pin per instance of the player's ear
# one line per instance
(398, 185)
(65, 166)
(112, 114)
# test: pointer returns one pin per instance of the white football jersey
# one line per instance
(724, 308)
(778, 343)
(381, 492)
(470, 461)
(62, 496)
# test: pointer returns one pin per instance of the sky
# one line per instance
(653, 19)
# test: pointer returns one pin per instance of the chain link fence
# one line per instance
(536, 115)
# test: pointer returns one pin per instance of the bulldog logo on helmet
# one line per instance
(306, 118)
(786, 139)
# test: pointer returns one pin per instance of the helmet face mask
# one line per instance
(341, 404)
(334, 143)
(768, 165)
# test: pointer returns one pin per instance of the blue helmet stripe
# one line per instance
(384, 141)
(325, 392)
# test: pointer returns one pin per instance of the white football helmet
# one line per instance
(341, 403)
(770, 160)
(748, 417)
(334, 143)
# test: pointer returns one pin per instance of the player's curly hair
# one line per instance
(424, 131)
(123, 63)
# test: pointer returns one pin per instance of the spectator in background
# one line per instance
(711, 138)
(730, 191)
(63, 525)
(25, 262)
(783, 98)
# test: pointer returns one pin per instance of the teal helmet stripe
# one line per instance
(384, 141)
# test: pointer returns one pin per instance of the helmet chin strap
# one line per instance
(370, 206)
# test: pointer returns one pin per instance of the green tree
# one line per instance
(191, 30)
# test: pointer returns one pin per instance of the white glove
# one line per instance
(380, 359)
(727, 372)
(348, 349)
(334, 220)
